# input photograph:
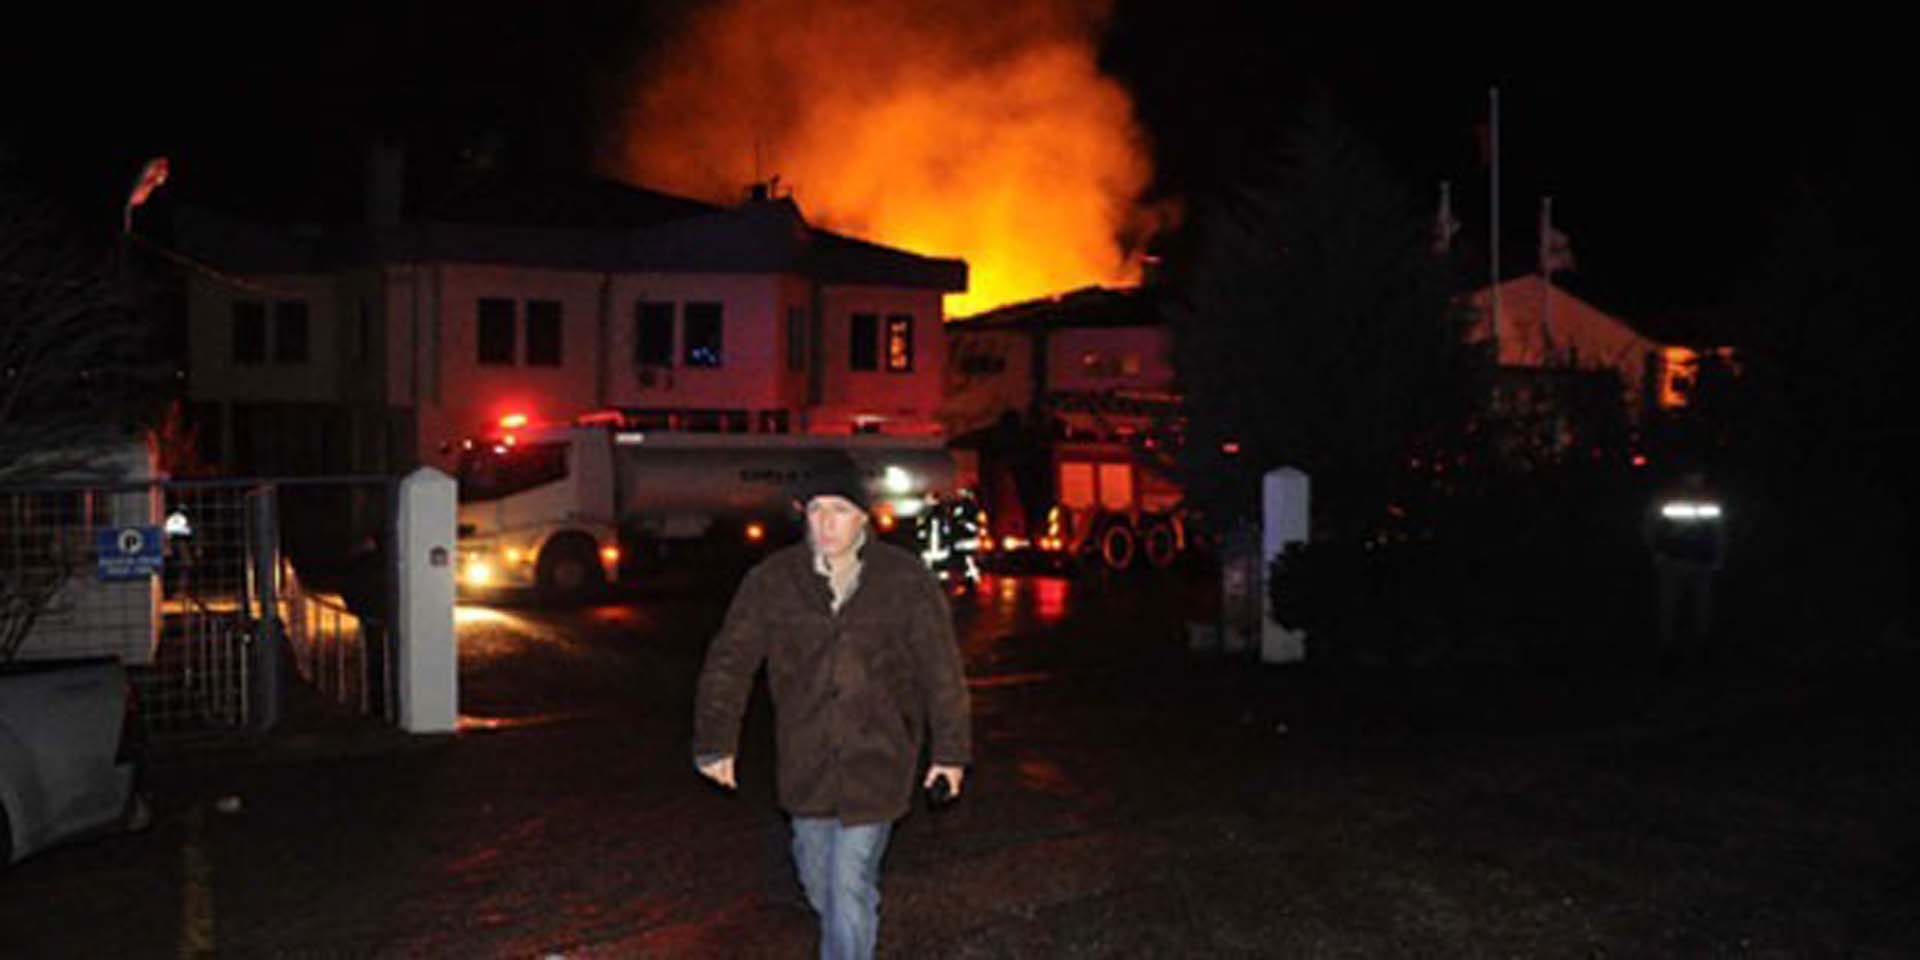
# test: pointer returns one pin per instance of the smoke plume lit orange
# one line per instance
(946, 129)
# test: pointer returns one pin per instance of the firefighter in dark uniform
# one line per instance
(1686, 532)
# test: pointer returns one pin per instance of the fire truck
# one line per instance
(562, 509)
(1066, 414)
(1057, 495)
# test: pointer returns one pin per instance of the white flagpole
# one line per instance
(1493, 169)
(1546, 278)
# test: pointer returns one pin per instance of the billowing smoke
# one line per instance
(947, 129)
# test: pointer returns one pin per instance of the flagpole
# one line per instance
(1546, 278)
(1493, 172)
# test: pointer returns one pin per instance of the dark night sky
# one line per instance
(1669, 154)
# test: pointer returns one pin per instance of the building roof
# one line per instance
(586, 224)
(1085, 307)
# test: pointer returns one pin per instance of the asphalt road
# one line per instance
(1131, 799)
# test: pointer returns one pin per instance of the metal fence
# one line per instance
(196, 585)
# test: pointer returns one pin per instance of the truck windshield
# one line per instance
(489, 473)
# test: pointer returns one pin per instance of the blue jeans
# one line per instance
(840, 868)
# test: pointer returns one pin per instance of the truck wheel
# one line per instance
(1118, 545)
(1161, 545)
(569, 570)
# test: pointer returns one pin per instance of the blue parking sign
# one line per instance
(130, 553)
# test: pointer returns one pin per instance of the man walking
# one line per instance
(862, 666)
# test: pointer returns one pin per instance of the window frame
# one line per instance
(901, 361)
(863, 342)
(536, 350)
(247, 316)
(487, 329)
(695, 311)
(660, 309)
(292, 327)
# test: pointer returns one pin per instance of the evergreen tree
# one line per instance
(1318, 329)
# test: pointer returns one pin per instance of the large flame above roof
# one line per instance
(945, 129)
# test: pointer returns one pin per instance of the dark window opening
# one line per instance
(496, 331)
(653, 334)
(899, 343)
(249, 332)
(290, 331)
(543, 333)
(864, 352)
(702, 330)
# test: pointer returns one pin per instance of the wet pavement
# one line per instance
(1131, 799)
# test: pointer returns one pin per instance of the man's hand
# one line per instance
(720, 771)
(954, 776)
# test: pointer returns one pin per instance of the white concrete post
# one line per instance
(1284, 519)
(429, 660)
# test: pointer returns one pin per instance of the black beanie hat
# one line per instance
(833, 475)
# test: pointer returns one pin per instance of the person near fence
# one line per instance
(1685, 530)
(864, 671)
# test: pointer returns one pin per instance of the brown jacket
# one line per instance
(855, 693)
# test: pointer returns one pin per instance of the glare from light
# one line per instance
(1687, 511)
(756, 532)
(478, 574)
(896, 480)
(178, 525)
(908, 507)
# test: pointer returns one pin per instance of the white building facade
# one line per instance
(380, 348)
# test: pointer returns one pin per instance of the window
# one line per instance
(249, 332)
(496, 331)
(798, 339)
(702, 332)
(543, 333)
(899, 343)
(864, 352)
(653, 334)
(290, 331)
(489, 473)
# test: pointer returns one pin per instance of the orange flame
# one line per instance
(989, 135)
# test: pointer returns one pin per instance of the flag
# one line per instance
(151, 177)
(1445, 225)
(1556, 251)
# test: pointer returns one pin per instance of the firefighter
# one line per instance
(1685, 531)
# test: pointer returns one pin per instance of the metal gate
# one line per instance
(212, 592)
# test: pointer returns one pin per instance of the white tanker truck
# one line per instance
(563, 509)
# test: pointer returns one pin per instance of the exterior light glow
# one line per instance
(756, 532)
(1688, 511)
(513, 421)
(477, 574)
(610, 555)
(896, 480)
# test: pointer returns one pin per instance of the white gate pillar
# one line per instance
(1284, 520)
(429, 658)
